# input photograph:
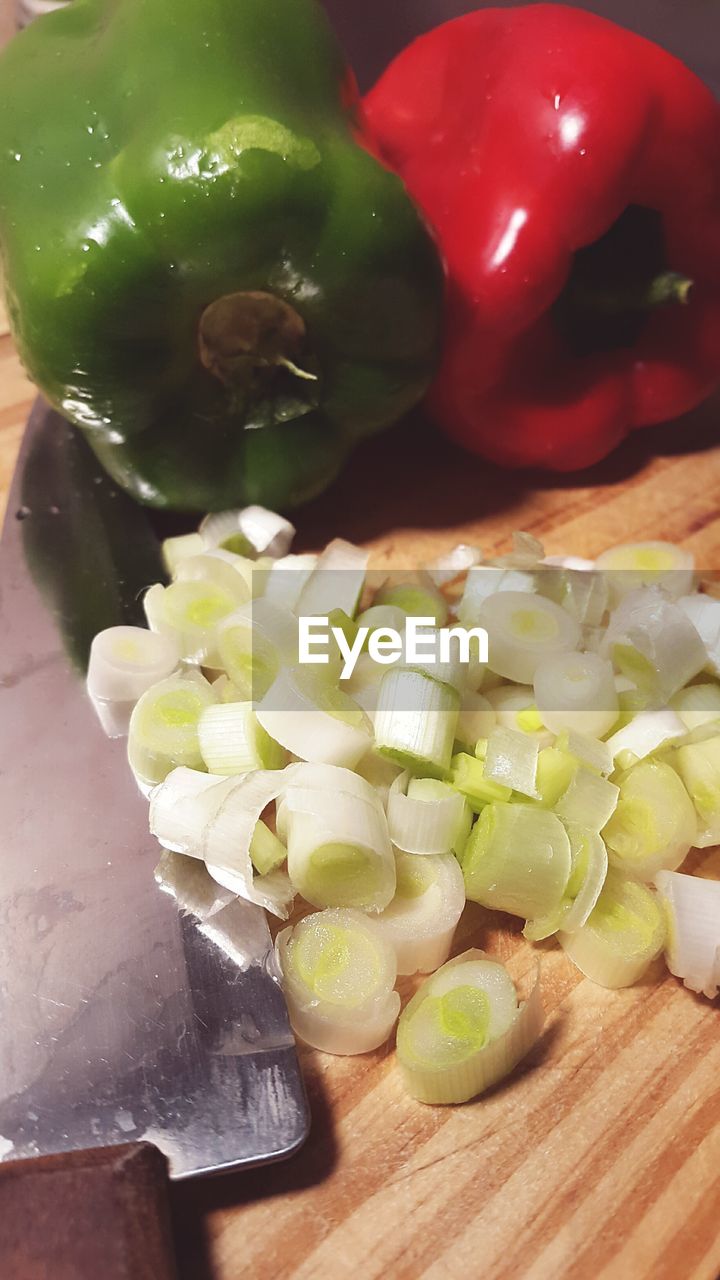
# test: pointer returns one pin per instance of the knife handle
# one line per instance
(87, 1215)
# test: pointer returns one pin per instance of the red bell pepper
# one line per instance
(571, 171)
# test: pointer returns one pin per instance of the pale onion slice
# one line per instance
(380, 773)
(314, 720)
(125, 662)
(223, 568)
(336, 582)
(254, 642)
(439, 654)
(163, 729)
(286, 579)
(463, 1031)
(511, 758)
(467, 776)
(576, 691)
(524, 629)
(477, 719)
(589, 800)
(622, 935)
(698, 764)
(415, 722)
(514, 707)
(485, 581)
(229, 834)
(654, 825)
(446, 568)
(181, 808)
(429, 789)
(263, 532)
(697, 706)
(383, 615)
(693, 943)
(650, 640)
(338, 974)
(419, 598)
(590, 751)
(363, 685)
(704, 613)
(267, 851)
(556, 770)
(646, 733)
(644, 564)
(527, 552)
(517, 859)
(589, 867)
(422, 820)
(175, 550)
(190, 613)
(339, 850)
(584, 594)
(421, 919)
(233, 741)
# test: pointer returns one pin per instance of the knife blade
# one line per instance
(122, 1018)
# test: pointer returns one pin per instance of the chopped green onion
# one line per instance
(511, 759)
(383, 615)
(181, 808)
(254, 642)
(336, 582)
(175, 550)
(468, 777)
(704, 613)
(380, 773)
(463, 1031)
(425, 816)
(163, 729)
(315, 720)
(698, 764)
(588, 871)
(693, 944)
(124, 663)
(228, 837)
(517, 859)
(339, 850)
(590, 751)
(584, 594)
(697, 706)
(651, 641)
(421, 919)
(267, 853)
(654, 825)
(446, 568)
(589, 800)
(338, 974)
(223, 569)
(527, 552)
(556, 769)
(576, 691)
(485, 581)
(415, 722)
(646, 733)
(190, 612)
(477, 719)
(634, 565)
(286, 580)
(522, 630)
(418, 600)
(232, 740)
(622, 935)
(261, 531)
(514, 707)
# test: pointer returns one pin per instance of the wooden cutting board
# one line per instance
(601, 1156)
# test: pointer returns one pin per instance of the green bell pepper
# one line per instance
(206, 270)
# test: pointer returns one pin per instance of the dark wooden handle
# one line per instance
(87, 1215)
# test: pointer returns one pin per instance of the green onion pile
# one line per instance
(564, 781)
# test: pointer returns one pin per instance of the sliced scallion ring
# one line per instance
(190, 613)
(654, 825)
(163, 729)
(589, 800)
(415, 722)
(421, 919)
(485, 581)
(511, 758)
(647, 564)
(426, 816)
(338, 974)
(233, 741)
(693, 944)
(621, 937)
(315, 720)
(124, 663)
(336, 582)
(463, 1031)
(589, 865)
(175, 550)
(517, 859)
(523, 629)
(576, 691)
(251, 531)
(698, 764)
(653, 643)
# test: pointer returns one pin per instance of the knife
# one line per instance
(136, 1040)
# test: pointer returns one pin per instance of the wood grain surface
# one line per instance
(600, 1158)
